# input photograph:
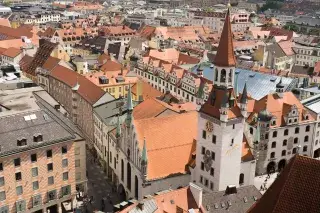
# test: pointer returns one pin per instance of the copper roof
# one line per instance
(225, 54)
(296, 190)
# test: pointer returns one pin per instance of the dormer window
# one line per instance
(22, 142)
(37, 138)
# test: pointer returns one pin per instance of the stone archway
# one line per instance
(281, 164)
(122, 193)
(271, 168)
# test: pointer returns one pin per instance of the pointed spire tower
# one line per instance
(129, 108)
(225, 60)
(244, 101)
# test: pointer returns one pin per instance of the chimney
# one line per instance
(197, 193)
(231, 189)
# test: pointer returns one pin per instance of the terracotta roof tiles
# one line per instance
(12, 52)
(296, 190)
(225, 53)
(146, 89)
(87, 90)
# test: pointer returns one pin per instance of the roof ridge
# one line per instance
(170, 147)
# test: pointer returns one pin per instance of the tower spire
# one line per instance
(244, 95)
(225, 54)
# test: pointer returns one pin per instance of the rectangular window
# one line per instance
(64, 163)
(34, 172)
(211, 185)
(213, 155)
(206, 182)
(18, 176)
(77, 163)
(214, 139)
(1, 167)
(203, 150)
(50, 167)
(1, 181)
(78, 176)
(50, 180)
(202, 166)
(52, 195)
(201, 179)
(212, 171)
(66, 190)
(17, 162)
(64, 149)
(204, 134)
(65, 176)
(2, 196)
(49, 153)
(19, 190)
(34, 158)
(35, 185)
(77, 151)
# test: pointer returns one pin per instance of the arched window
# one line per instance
(305, 148)
(294, 151)
(307, 128)
(295, 141)
(275, 134)
(230, 76)
(272, 154)
(273, 145)
(216, 74)
(223, 75)
(306, 138)
(296, 130)
(284, 143)
(241, 179)
(286, 132)
(283, 153)
(251, 130)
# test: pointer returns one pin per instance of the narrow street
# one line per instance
(99, 188)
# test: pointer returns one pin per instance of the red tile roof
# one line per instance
(87, 90)
(25, 62)
(146, 89)
(225, 53)
(12, 52)
(296, 190)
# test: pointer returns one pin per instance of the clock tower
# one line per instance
(221, 123)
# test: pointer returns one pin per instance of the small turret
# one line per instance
(280, 88)
(200, 71)
(244, 101)
(144, 160)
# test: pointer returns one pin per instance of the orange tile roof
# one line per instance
(110, 66)
(5, 22)
(116, 30)
(278, 107)
(213, 109)
(246, 151)
(173, 56)
(169, 142)
(225, 53)
(25, 62)
(49, 32)
(149, 108)
(182, 33)
(181, 198)
(12, 52)
(103, 58)
(87, 89)
(147, 31)
(286, 46)
(50, 63)
(146, 89)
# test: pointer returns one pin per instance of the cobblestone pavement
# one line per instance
(99, 188)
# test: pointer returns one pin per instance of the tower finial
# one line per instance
(244, 95)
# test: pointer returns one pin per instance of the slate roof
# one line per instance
(295, 190)
(16, 127)
(213, 201)
(307, 20)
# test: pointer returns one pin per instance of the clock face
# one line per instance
(209, 126)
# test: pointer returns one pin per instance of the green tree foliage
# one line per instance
(271, 5)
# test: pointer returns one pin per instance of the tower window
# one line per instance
(273, 145)
(307, 128)
(223, 75)
(283, 153)
(305, 148)
(286, 132)
(284, 143)
(306, 138)
(214, 139)
(213, 155)
(232, 141)
(212, 171)
(275, 134)
(272, 154)
(203, 150)
(296, 130)
(202, 166)
(204, 134)
(201, 179)
(233, 126)
(295, 141)
(251, 130)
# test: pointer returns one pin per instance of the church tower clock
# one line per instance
(221, 123)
